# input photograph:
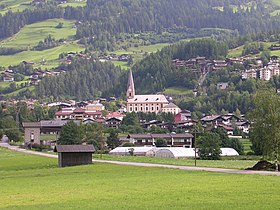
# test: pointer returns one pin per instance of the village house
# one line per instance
(77, 114)
(177, 140)
(171, 108)
(8, 78)
(183, 116)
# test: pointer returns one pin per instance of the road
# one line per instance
(186, 168)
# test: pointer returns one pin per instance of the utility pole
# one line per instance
(195, 144)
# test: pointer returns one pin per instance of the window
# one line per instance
(135, 109)
(147, 108)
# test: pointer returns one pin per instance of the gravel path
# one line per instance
(187, 168)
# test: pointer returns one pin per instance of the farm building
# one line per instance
(73, 155)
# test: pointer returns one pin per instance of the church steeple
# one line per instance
(130, 93)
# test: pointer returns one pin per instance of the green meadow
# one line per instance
(241, 162)
(32, 182)
(29, 37)
(14, 5)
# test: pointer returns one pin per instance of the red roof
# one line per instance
(115, 114)
(79, 110)
(61, 113)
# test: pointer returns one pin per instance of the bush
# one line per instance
(128, 144)
(161, 143)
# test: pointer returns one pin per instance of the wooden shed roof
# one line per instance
(74, 148)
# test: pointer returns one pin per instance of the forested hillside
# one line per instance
(102, 21)
(85, 79)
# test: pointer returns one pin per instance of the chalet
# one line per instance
(8, 79)
(244, 126)
(124, 57)
(183, 116)
(230, 119)
(211, 120)
(226, 128)
(219, 64)
(113, 122)
(73, 155)
(116, 115)
(81, 104)
(274, 47)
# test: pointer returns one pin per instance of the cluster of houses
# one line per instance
(263, 73)
(254, 70)
(9, 75)
(91, 113)
(201, 64)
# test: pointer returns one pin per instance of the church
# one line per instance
(147, 103)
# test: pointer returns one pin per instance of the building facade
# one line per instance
(146, 103)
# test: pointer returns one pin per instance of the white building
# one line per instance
(143, 103)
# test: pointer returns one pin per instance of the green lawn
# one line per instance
(14, 5)
(49, 55)
(231, 163)
(178, 91)
(31, 182)
(247, 145)
(30, 35)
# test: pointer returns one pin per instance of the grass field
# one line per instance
(247, 145)
(31, 182)
(178, 91)
(30, 35)
(49, 55)
(231, 163)
(236, 52)
(14, 5)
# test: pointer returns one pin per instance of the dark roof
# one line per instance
(74, 148)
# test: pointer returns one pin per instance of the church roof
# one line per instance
(171, 105)
(148, 99)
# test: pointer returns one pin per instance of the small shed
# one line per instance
(73, 155)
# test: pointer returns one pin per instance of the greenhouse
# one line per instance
(175, 152)
(165, 152)
(138, 151)
(229, 152)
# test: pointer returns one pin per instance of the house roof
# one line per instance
(148, 99)
(210, 117)
(79, 110)
(74, 148)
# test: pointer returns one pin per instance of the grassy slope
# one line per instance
(14, 5)
(31, 182)
(236, 52)
(30, 36)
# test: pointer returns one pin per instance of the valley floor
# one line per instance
(33, 182)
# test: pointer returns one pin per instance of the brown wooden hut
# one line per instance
(73, 155)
